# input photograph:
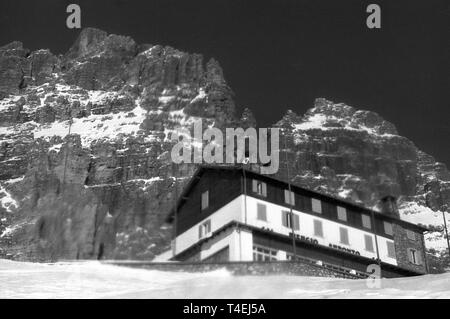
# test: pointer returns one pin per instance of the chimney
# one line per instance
(388, 206)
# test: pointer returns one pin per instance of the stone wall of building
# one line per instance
(402, 243)
(299, 268)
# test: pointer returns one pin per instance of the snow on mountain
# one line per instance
(324, 122)
(418, 214)
(357, 155)
(6, 200)
(96, 127)
(104, 190)
(89, 134)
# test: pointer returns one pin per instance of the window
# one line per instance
(286, 220)
(414, 256)
(366, 221)
(342, 213)
(410, 234)
(204, 229)
(390, 249)
(318, 229)
(316, 205)
(296, 222)
(261, 212)
(259, 188)
(388, 228)
(261, 253)
(205, 200)
(286, 197)
(369, 242)
(343, 235)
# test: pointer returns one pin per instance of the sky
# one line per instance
(282, 54)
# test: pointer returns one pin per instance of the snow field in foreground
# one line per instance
(92, 279)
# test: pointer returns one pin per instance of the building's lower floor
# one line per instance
(237, 242)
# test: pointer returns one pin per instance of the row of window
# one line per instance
(266, 254)
(291, 220)
(260, 188)
(261, 253)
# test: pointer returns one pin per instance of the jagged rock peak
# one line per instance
(88, 41)
(214, 72)
(92, 41)
(19, 68)
(247, 119)
(97, 60)
(11, 46)
(289, 120)
(14, 48)
(327, 115)
(327, 107)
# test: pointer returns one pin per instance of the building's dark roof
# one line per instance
(295, 188)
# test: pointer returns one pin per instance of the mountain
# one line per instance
(84, 153)
(85, 166)
(357, 155)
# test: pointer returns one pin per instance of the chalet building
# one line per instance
(233, 214)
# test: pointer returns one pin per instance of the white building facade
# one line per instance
(258, 221)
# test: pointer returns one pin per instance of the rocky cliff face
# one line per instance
(84, 144)
(84, 148)
(357, 155)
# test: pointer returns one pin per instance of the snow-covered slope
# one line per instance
(94, 280)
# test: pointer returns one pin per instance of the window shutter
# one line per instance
(296, 222)
(344, 235)
(205, 200)
(264, 189)
(318, 231)
(316, 205)
(200, 231)
(418, 258)
(284, 218)
(410, 258)
(261, 212)
(254, 186)
(390, 249)
(288, 200)
(388, 228)
(342, 213)
(369, 242)
(366, 221)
